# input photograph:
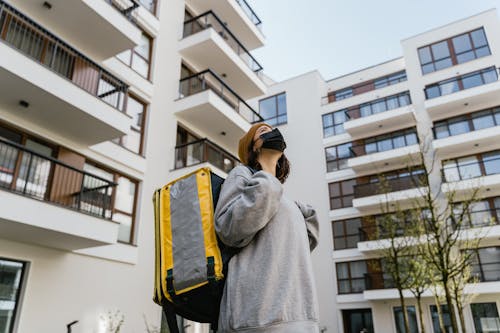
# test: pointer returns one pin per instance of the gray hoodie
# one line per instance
(270, 284)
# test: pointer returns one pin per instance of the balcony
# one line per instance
(209, 104)
(462, 176)
(68, 208)
(239, 16)
(204, 151)
(472, 133)
(208, 43)
(83, 101)
(403, 190)
(379, 123)
(394, 150)
(459, 95)
(92, 25)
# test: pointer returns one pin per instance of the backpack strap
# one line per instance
(171, 317)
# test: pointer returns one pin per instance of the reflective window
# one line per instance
(467, 123)
(11, 278)
(333, 123)
(358, 321)
(337, 156)
(341, 193)
(139, 58)
(351, 277)
(346, 233)
(133, 141)
(474, 166)
(435, 319)
(485, 317)
(273, 109)
(453, 51)
(412, 319)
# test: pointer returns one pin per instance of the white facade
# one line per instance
(75, 267)
(309, 97)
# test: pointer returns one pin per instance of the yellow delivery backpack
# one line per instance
(190, 260)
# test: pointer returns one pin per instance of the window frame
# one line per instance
(134, 53)
(337, 161)
(19, 293)
(480, 162)
(345, 236)
(355, 112)
(142, 132)
(341, 196)
(334, 124)
(350, 278)
(469, 118)
(277, 115)
(451, 50)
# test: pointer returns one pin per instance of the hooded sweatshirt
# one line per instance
(270, 284)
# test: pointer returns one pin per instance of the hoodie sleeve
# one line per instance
(246, 204)
(312, 224)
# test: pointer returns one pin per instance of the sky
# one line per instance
(338, 37)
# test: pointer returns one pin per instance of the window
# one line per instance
(462, 82)
(11, 279)
(341, 193)
(333, 123)
(139, 58)
(486, 264)
(446, 319)
(337, 156)
(366, 86)
(273, 109)
(381, 105)
(134, 140)
(385, 142)
(412, 319)
(149, 5)
(358, 321)
(485, 316)
(478, 213)
(473, 166)
(351, 276)
(453, 51)
(118, 203)
(346, 233)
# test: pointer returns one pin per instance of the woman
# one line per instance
(270, 285)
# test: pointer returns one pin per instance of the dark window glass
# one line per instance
(346, 233)
(273, 109)
(485, 316)
(11, 278)
(358, 321)
(341, 193)
(351, 276)
(446, 319)
(412, 319)
(337, 156)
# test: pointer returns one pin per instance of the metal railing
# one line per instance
(126, 11)
(486, 272)
(461, 82)
(210, 20)
(202, 151)
(250, 13)
(28, 37)
(41, 177)
(463, 171)
(389, 185)
(385, 142)
(379, 105)
(378, 280)
(208, 80)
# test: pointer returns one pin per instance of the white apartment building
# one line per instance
(101, 102)
(345, 132)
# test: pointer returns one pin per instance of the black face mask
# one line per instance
(273, 140)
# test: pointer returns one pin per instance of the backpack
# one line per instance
(191, 262)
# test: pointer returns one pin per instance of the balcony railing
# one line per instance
(210, 20)
(203, 151)
(250, 13)
(385, 142)
(379, 105)
(378, 280)
(208, 80)
(458, 171)
(462, 82)
(41, 177)
(126, 11)
(486, 272)
(389, 185)
(29, 38)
